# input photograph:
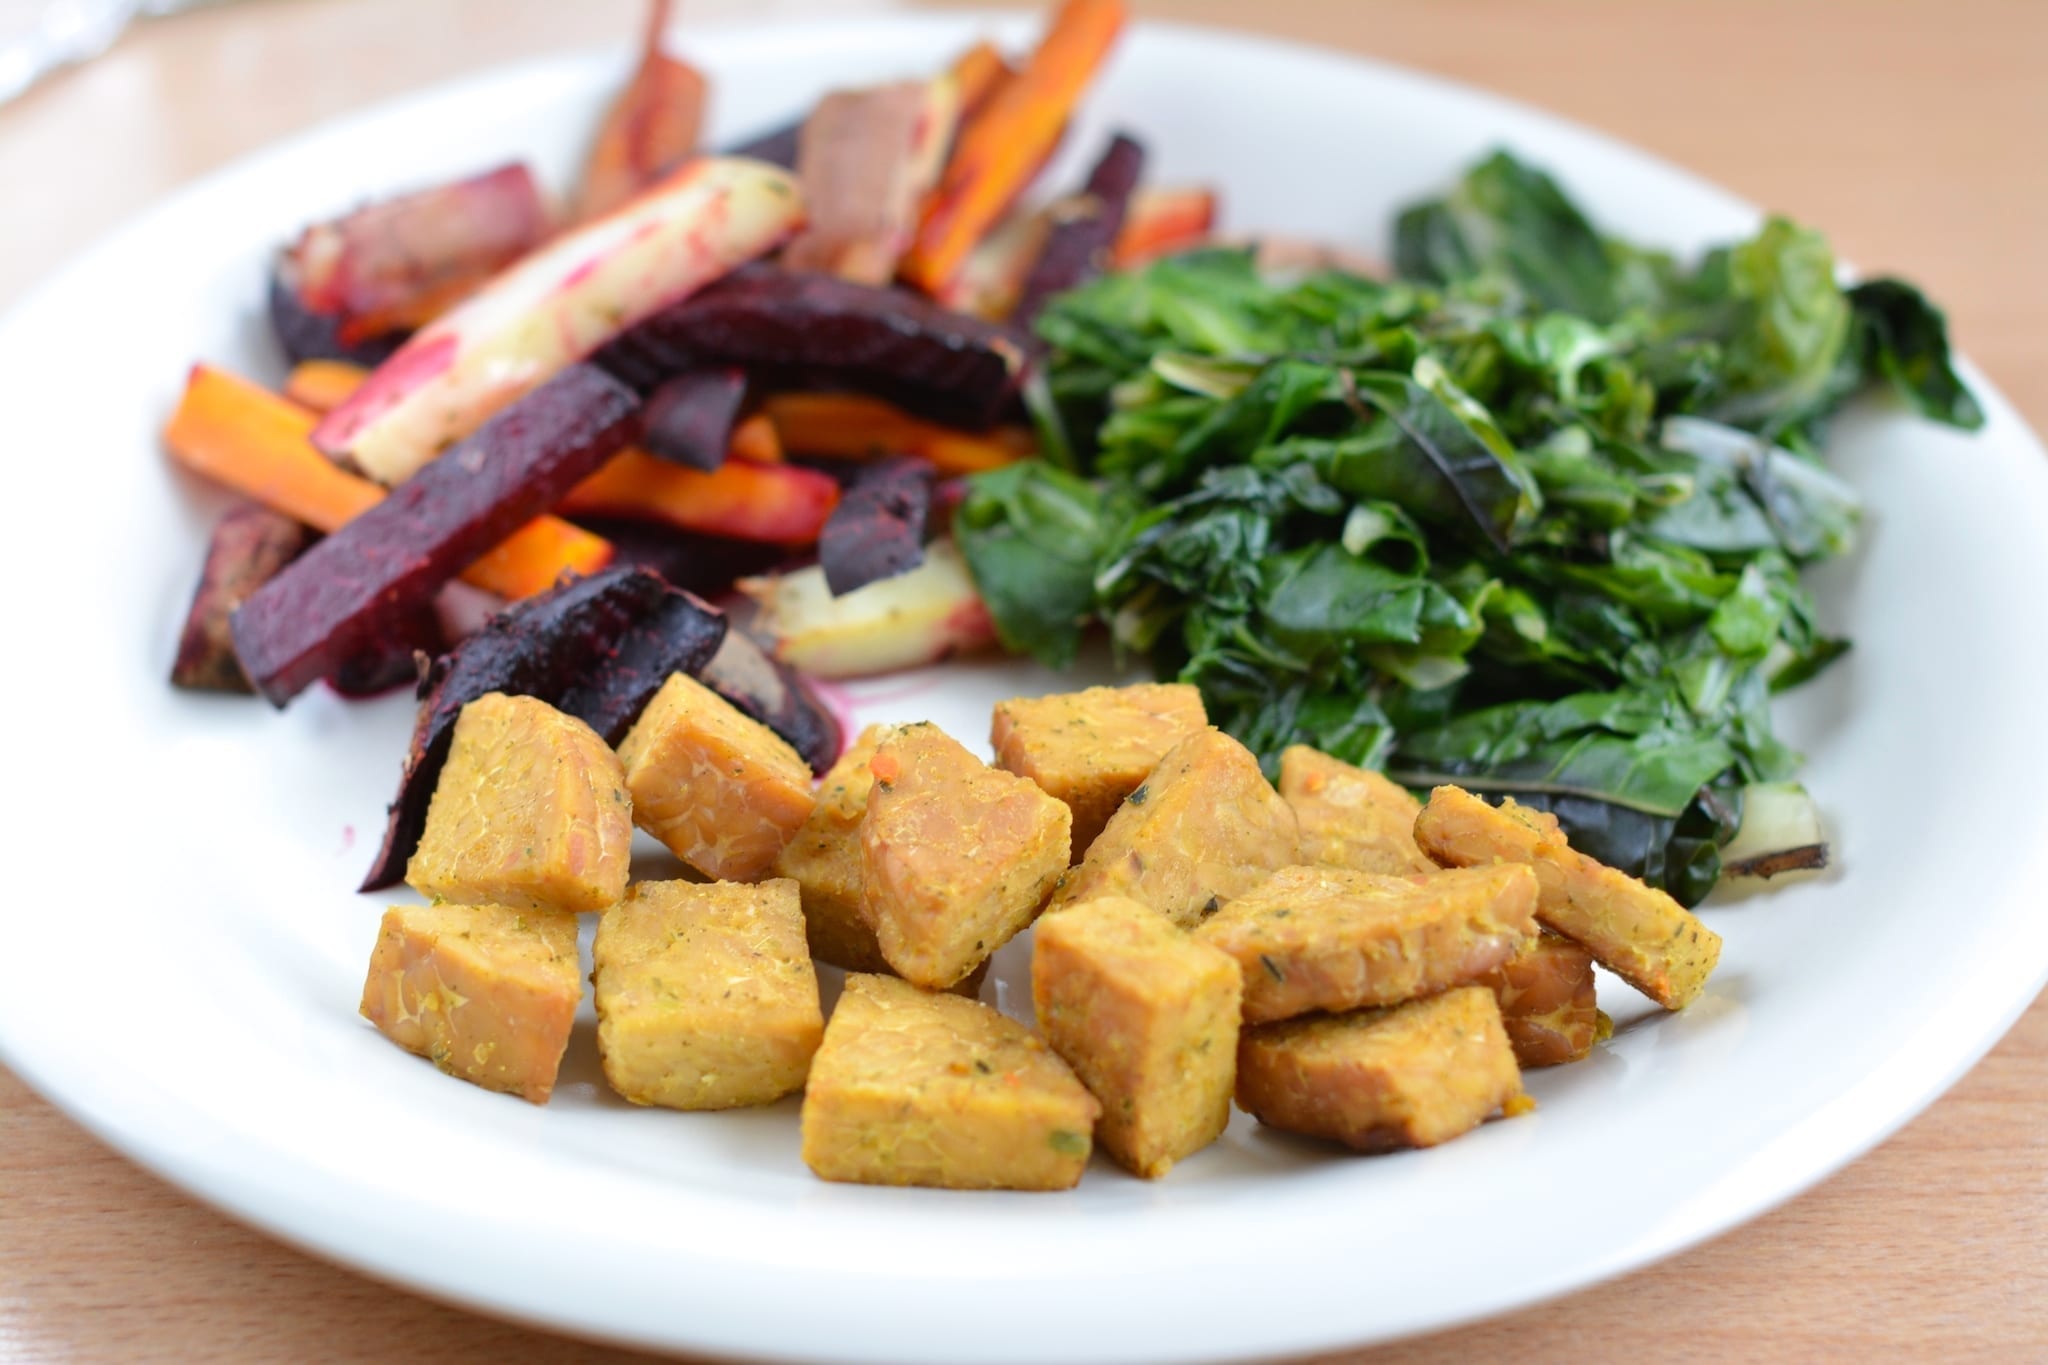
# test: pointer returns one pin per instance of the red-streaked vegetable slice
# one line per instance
(866, 160)
(915, 618)
(991, 279)
(650, 130)
(1160, 222)
(1084, 228)
(690, 419)
(878, 529)
(396, 553)
(596, 648)
(777, 503)
(556, 305)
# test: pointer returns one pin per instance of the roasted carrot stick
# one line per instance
(976, 73)
(1162, 221)
(851, 427)
(651, 128)
(261, 446)
(323, 385)
(755, 439)
(1002, 147)
(780, 504)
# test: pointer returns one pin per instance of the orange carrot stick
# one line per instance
(261, 446)
(781, 504)
(976, 73)
(323, 385)
(1163, 221)
(754, 439)
(651, 128)
(851, 427)
(1002, 147)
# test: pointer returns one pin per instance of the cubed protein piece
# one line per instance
(956, 856)
(823, 857)
(1203, 828)
(530, 811)
(1148, 1018)
(1636, 931)
(485, 992)
(1323, 938)
(722, 790)
(706, 997)
(1547, 1001)
(1092, 749)
(1351, 817)
(1411, 1076)
(916, 1088)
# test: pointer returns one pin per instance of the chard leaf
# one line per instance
(1903, 340)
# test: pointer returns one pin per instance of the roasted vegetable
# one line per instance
(304, 335)
(849, 426)
(691, 560)
(321, 386)
(558, 303)
(397, 265)
(1084, 228)
(250, 545)
(650, 130)
(881, 341)
(1160, 222)
(866, 161)
(777, 696)
(780, 504)
(396, 553)
(1001, 148)
(256, 443)
(991, 280)
(914, 618)
(398, 648)
(689, 420)
(596, 648)
(877, 531)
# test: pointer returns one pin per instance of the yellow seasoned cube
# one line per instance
(916, 1088)
(1411, 1076)
(1548, 1002)
(824, 859)
(722, 790)
(1204, 827)
(1351, 817)
(1091, 749)
(1148, 1018)
(956, 856)
(530, 811)
(1637, 932)
(486, 992)
(1323, 938)
(706, 998)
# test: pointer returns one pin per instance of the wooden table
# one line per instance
(1909, 129)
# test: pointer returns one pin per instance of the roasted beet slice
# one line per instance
(699, 563)
(597, 648)
(393, 657)
(776, 695)
(303, 334)
(689, 419)
(889, 342)
(250, 545)
(327, 605)
(878, 529)
(1084, 229)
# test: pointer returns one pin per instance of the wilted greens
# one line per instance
(1530, 516)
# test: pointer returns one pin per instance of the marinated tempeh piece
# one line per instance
(1547, 1001)
(721, 789)
(1411, 1076)
(913, 1088)
(1639, 933)
(1351, 817)
(1148, 1018)
(530, 811)
(1204, 827)
(823, 858)
(485, 992)
(1091, 749)
(1323, 938)
(706, 997)
(956, 856)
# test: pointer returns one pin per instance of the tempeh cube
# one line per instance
(1411, 1076)
(1351, 817)
(1547, 1001)
(722, 790)
(1323, 938)
(1148, 1018)
(1636, 931)
(706, 997)
(530, 811)
(1205, 826)
(1091, 749)
(486, 992)
(956, 856)
(916, 1088)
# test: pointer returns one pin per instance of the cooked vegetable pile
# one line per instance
(1530, 516)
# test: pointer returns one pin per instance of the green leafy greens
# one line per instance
(1529, 517)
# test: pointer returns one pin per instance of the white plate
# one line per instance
(184, 953)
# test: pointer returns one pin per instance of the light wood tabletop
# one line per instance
(1910, 130)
